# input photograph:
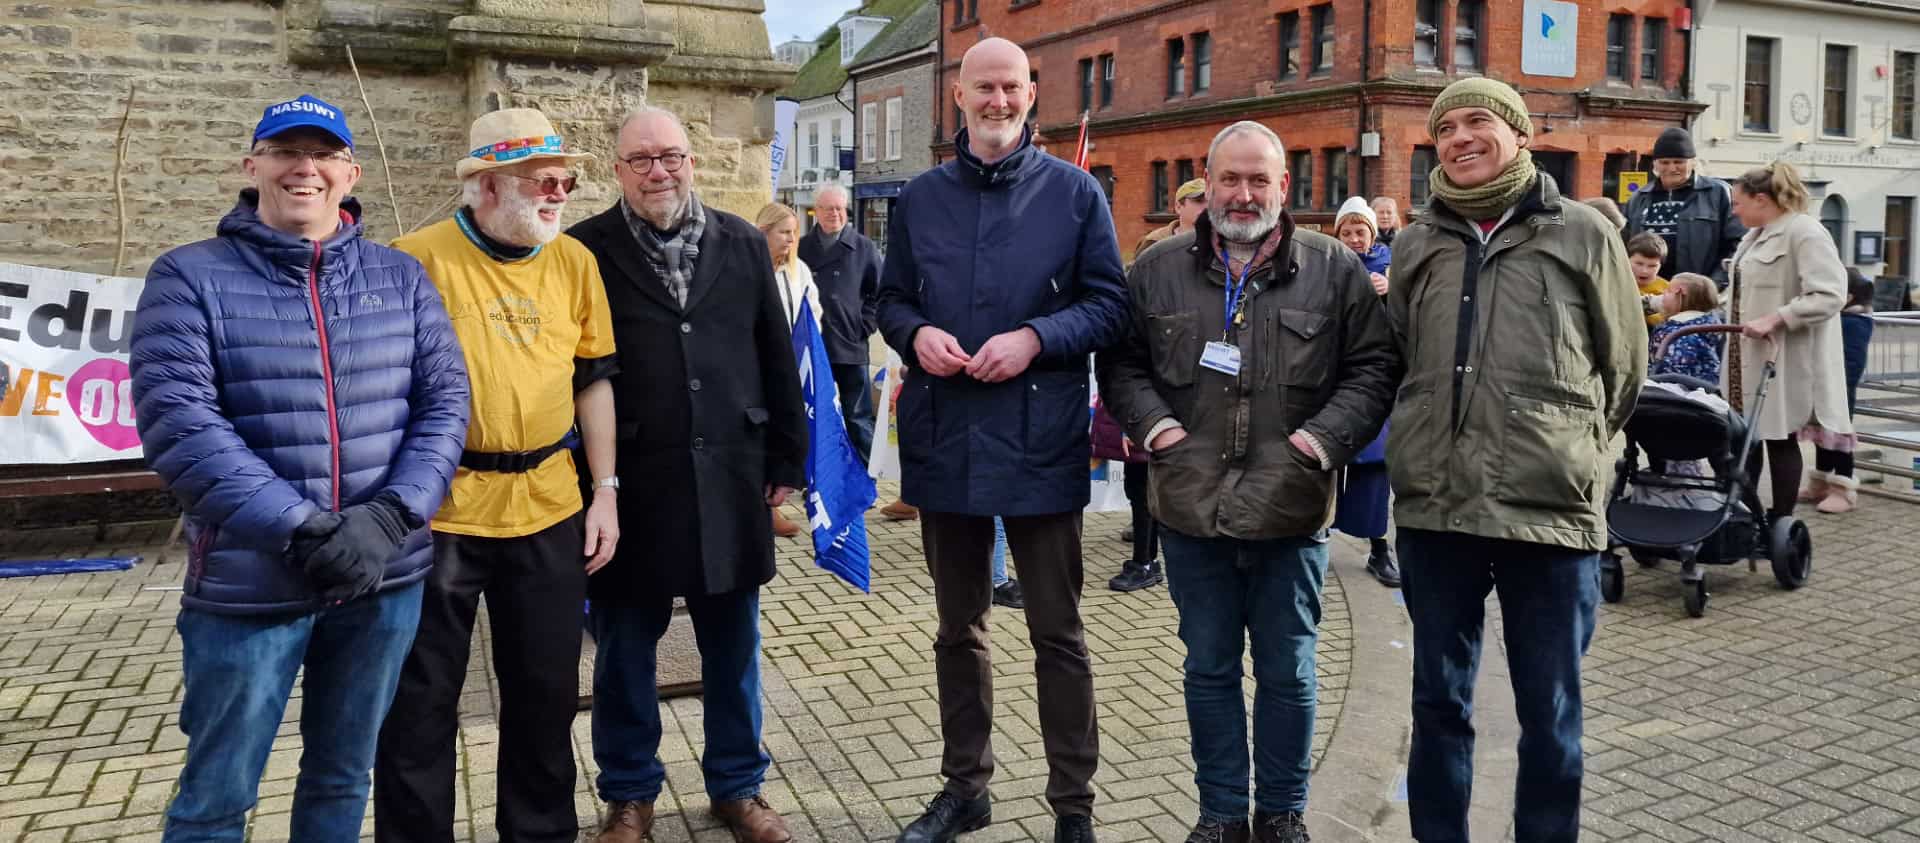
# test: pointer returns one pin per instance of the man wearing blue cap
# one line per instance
(301, 392)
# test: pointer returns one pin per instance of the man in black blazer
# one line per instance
(712, 431)
(846, 268)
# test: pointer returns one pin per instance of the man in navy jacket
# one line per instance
(846, 268)
(1003, 275)
(303, 395)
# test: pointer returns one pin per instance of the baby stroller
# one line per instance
(1721, 521)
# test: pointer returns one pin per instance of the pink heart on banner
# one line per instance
(101, 395)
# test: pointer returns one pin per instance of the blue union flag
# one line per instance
(839, 492)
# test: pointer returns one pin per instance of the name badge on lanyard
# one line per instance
(1222, 356)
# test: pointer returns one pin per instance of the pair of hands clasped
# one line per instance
(1003, 356)
(345, 553)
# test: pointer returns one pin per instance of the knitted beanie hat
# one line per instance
(1485, 93)
(1674, 143)
(1356, 207)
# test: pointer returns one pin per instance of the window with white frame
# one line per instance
(893, 129)
(813, 145)
(866, 131)
(1837, 92)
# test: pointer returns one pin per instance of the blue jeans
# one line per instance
(626, 702)
(1547, 598)
(238, 672)
(999, 552)
(1226, 589)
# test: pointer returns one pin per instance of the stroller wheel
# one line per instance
(1613, 580)
(1791, 551)
(1695, 597)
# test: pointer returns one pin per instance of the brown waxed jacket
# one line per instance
(1316, 355)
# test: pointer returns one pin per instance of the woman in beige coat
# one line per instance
(1787, 283)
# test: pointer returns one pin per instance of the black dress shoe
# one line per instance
(1134, 576)
(1215, 831)
(1008, 594)
(947, 817)
(1381, 565)
(1073, 828)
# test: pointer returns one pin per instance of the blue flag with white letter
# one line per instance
(839, 492)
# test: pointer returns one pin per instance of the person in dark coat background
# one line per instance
(846, 269)
(1693, 213)
(1003, 275)
(712, 429)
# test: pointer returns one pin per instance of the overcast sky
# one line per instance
(787, 19)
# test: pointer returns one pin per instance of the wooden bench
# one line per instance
(40, 481)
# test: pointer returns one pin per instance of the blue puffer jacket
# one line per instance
(257, 418)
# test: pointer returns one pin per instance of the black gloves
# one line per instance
(345, 554)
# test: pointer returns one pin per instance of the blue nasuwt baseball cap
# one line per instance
(308, 110)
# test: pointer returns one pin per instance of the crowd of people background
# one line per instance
(369, 440)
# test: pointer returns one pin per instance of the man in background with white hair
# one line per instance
(533, 322)
(846, 268)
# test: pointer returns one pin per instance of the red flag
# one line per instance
(1080, 149)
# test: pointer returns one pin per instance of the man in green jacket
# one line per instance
(1521, 329)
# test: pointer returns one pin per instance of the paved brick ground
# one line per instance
(1779, 716)
(89, 691)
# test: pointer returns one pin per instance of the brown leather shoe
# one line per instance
(899, 510)
(627, 822)
(752, 821)
(782, 527)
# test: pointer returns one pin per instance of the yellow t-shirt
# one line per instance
(521, 324)
(1653, 287)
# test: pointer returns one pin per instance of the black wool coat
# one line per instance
(708, 410)
(848, 275)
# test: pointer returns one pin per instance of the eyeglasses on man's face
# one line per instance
(549, 184)
(643, 164)
(292, 155)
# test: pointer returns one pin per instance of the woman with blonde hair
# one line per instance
(781, 225)
(1788, 284)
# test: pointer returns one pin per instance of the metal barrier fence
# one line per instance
(1887, 413)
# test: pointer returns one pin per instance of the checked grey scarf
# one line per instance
(674, 257)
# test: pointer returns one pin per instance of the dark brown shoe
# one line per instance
(627, 822)
(752, 821)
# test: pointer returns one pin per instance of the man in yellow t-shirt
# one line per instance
(532, 317)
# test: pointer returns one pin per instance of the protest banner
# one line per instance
(66, 395)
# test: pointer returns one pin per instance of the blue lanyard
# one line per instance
(1235, 289)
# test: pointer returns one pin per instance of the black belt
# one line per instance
(517, 462)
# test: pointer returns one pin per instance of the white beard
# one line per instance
(1249, 232)
(517, 220)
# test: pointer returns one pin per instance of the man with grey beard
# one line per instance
(533, 322)
(1258, 363)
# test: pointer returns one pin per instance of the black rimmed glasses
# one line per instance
(643, 164)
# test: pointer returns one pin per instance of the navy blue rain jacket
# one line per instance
(979, 250)
(257, 417)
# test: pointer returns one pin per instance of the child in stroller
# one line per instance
(1690, 501)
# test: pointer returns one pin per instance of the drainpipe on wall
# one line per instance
(1686, 67)
(1366, 60)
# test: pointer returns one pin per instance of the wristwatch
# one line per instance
(607, 483)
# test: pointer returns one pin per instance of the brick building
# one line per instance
(1346, 84)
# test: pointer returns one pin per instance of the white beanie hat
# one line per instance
(1356, 206)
